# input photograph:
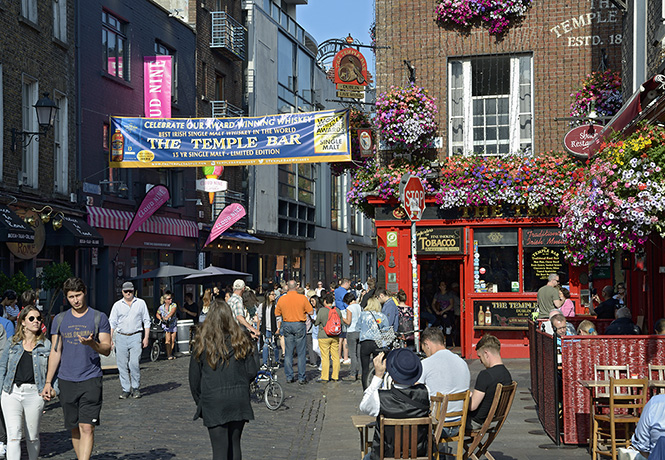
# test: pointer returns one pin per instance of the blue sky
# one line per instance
(325, 19)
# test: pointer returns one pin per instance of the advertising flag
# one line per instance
(154, 199)
(229, 216)
(157, 86)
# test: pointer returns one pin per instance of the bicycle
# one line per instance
(271, 393)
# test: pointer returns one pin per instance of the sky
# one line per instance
(326, 19)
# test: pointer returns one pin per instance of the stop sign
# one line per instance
(413, 198)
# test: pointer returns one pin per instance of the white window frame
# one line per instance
(61, 145)
(29, 173)
(29, 10)
(60, 20)
(467, 144)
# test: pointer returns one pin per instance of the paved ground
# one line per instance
(159, 426)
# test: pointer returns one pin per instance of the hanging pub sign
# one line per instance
(309, 137)
(350, 72)
(440, 241)
(578, 140)
(366, 142)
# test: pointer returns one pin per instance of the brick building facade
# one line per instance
(555, 45)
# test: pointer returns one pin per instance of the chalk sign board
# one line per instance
(508, 313)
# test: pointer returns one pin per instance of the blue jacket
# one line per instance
(12, 355)
(390, 310)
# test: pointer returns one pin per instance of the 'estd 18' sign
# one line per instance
(413, 198)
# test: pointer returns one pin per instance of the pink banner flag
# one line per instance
(229, 216)
(157, 86)
(154, 199)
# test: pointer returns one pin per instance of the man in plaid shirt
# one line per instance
(238, 309)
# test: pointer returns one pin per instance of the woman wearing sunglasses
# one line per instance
(23, 374)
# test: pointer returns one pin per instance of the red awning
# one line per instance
(629, 111)
(119, 220)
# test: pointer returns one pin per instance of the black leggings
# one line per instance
(225, 440)
(367, 349)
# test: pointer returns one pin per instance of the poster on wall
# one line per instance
(309, 137)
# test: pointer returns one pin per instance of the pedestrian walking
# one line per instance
(129, 319)
(351, 316)
(220, 371)
(23, 365)
(269, 327)
(166, 313)
(78, 336)
(328, 344)
(293, 307)
(205, 304)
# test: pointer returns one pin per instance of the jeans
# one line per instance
(269, 339)
(295, 336)
(329, 350)
(128, 354)
(354, 351)
(22, 400)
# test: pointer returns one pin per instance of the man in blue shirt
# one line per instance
(651, 426)
(389, 308)
(340, 292)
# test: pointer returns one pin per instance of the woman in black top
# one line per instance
(220, 371)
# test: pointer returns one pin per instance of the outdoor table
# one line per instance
(363, 423)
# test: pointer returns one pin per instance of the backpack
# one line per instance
(333, 326)
(55, 329)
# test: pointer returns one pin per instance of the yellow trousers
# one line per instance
(329, 350)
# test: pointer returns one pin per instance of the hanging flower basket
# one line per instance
(530, 181)
(406, 119)
(498, 15)
(621, 202)
(357, 120)
(600, 92)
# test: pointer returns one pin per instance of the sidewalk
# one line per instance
(313, 423)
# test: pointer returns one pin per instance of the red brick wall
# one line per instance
(551, 30)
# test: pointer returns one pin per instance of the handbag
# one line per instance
(383, 337)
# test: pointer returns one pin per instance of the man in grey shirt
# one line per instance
(129, 318)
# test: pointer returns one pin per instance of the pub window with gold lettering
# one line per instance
(543, 255)
(495, 259)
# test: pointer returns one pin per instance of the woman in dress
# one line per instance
(568, 307)
(220, 372)
(23, 368)
(166, 313)
(205, 304)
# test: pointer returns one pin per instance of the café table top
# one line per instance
(606, 383)
(360, 421)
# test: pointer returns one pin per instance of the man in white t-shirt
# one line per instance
(443, 371)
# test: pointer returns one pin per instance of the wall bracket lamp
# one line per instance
(46, 110)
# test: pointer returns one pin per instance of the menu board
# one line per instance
(440, 240)
(495, 313)
(542, 262)
(538, 237)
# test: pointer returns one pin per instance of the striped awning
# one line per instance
(120, 220)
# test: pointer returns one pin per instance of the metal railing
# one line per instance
(229, 34)
(222, 109)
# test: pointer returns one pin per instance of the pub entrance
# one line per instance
(433, 272)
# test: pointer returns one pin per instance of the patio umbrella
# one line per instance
(212, 273)
(167, 271)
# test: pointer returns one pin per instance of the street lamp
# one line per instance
(46, 110)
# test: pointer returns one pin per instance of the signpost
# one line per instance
(413, 200)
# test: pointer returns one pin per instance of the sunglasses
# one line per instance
(33, 318)
(126, 292)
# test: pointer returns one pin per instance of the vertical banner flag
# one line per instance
(154, 199)
(229, 216)
(157, 86)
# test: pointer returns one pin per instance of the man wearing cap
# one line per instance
(406, 398)
(129, 318)
(293, 309)
(238, 309)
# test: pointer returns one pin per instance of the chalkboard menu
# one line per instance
(497, 314)
(538, 237)
(440, 240)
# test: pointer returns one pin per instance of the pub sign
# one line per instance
(440, 240)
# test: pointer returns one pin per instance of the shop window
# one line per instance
(115, 47)
(338, 267)
(496, 251)
(338, 216)
(541, 260)
(163, 50)
(490, 101)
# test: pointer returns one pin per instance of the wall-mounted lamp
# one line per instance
(57, 220)
(46, 215)
(121, 188)
(46, 110)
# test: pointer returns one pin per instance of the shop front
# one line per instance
(495, 258)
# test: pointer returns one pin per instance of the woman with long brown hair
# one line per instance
(23, 368)
(205, 304)
(220, 371)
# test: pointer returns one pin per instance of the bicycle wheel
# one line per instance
(273, 395)
(155, 351)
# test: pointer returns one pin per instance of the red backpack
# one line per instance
(333, 326)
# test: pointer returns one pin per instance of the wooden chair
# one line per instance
(441, 404)
(406, 437)
(478, 441)
(627, 399)
(657, 372)
(607, 372)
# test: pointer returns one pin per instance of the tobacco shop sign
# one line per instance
(440, 240)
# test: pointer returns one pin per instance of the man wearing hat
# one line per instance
(238, 308)
(406, 398)
(129, 318)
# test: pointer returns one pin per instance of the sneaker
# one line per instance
(136, 394)
(347, 361)
(302, 382)
(124, 395)
(264, 367)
